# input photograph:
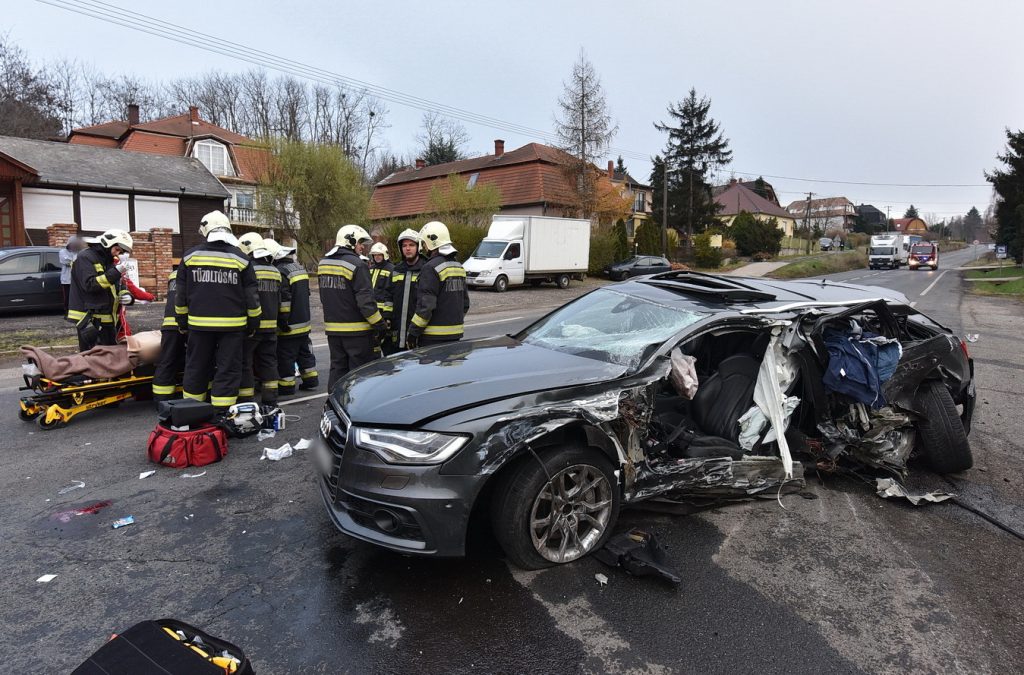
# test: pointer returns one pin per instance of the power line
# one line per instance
(109, 13)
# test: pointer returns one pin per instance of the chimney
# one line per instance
(193, 113)
(499, 147)
(133, 114)
(420, 163)
(611, 170)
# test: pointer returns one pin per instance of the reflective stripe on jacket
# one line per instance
(94, 286)
(216, 289)
(380, 278)
(268, 278)
(346, 294)
(443, 298)
(294, 315)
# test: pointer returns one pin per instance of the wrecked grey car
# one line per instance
(674, 387)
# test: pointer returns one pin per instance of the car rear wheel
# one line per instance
(540, 523)
(501, 284)
(940, 432)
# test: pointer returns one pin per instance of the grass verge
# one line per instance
(828, 264)
(1006, 288)
(1002, 273)
(10, 340)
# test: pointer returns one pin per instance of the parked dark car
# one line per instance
(550, 431)
(30, 278)
(636, 266)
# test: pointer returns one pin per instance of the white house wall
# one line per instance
(43, 208)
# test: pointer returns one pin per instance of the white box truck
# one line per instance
(535, 249)
(889, 250)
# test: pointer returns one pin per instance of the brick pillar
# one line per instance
(163, 259)
(58, 233)
(147, 271)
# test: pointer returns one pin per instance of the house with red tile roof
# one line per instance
(738, 197)
(826, 213)
(237, 161)
(532, 180)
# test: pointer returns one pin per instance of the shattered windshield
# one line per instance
(490, 249)
(610, 326)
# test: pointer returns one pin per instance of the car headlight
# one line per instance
(486, 273)
(409, 447)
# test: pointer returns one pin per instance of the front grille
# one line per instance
(336, 439)
(472, 274)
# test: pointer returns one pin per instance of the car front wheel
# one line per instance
(940, 432)
(501, 284)
(541, 522)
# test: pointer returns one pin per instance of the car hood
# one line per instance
(412, 387)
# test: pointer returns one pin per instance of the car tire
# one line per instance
(562, 281)
(940, 432)
(623, 276)
(501, 284)
(525, 493)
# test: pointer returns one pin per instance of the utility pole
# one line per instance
(664, 207)
(807, 221)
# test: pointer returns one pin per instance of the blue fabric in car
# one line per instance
(859, 363)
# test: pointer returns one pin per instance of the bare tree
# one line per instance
(257, 105)
(291, 108)
(441, 139)
(28, 106)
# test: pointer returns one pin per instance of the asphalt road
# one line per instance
(844, 582)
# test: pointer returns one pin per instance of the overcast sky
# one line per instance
(910, 92)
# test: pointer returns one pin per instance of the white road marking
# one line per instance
(488, 323)
(914, 303)
(932, 284)
(303, 399)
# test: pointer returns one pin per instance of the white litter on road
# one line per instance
(303, 444)
(193, 475)
(46, 578)
(75, 485)
(601, 579)
(276, 454)
(146, 474)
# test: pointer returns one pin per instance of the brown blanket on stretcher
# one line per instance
(101, 362)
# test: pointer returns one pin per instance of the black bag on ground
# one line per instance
(166, 647)
(184, 412)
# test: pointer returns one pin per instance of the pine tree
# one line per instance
(621, 250)
(695, 148)
(972, 224)
(1008, 183)
(911, 212)
(441, 140)
(620, 166)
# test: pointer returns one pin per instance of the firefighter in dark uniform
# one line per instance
(443, 297)
(172, 349)
(293, 326)
(260, 356)
(353, 324)
(94, 305)
(380, 277)
(404, 279)
(217, 301)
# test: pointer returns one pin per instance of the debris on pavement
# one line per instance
(303, 444)
(972, 337)
(889, 487)
(74, 485)
(276, 454)
(264, 434)
(146, 474)
(46, 578)
(639, 553)
(122, 522)
(602, 580)
(92, 509)
(193, 475)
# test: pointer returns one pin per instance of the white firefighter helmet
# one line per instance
(268, 248)
(112, 238)
(434, 235)
(249, 241)
(284, 252)
(350, 235)
(212, 221)
(409, 234)
(379, 249)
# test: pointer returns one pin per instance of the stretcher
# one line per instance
(53, 403)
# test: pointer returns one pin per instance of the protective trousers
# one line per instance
(260, 364)
(347, 352)
(92, 333)
(291, 351)
(168, 369)
(218, 355)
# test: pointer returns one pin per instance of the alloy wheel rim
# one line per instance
(570, 513)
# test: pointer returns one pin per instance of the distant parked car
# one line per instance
(30, 278)
(825, 244)
(636, 266)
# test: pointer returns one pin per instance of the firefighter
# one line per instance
(352, 321)
(248, 241)
(94, 305)
(293, 326)
(172, 349)
(380, 276)
(404, 280)
(260, 357)
(217, 301)
(443, 297)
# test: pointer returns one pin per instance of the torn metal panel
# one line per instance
(881, 438)
(776, 374)
(887, 488)
(672, 478)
